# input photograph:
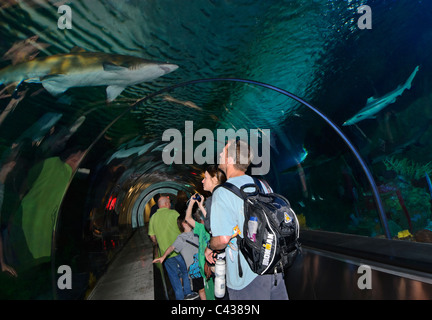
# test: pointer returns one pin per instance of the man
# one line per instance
(228, 216)
(163, 231)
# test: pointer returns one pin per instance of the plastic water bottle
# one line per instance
(252, 228)
(219, 283)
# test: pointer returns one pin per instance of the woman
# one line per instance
(212, 178)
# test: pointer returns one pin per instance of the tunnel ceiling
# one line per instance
(241, 39)
(299, 46)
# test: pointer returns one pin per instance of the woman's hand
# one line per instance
(192, 200)
(201, 203)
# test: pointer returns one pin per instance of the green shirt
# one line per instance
(204, 238)
(163, 225)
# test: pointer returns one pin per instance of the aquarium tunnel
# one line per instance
(107, 105)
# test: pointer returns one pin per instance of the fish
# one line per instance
(376, 104)
(57, 73)
(129, 149)
(24, 50)
(12, 105)
(41, 127)
(189, 104)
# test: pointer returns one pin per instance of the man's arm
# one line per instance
(216, 243)
(219, 242)
(153, 239)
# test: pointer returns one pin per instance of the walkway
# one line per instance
(130, 275)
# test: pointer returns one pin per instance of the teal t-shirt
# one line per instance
(204, 238)
(227, 214)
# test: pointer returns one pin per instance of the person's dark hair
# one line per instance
(70, 151)
(214, 171)
(181, 202)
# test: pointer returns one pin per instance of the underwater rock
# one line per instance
(423, 235)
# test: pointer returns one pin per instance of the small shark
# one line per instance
(375, 105)
(59, 72)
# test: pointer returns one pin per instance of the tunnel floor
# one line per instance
(130, 275)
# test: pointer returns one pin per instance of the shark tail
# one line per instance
(411, 77)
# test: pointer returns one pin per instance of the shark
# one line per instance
(79, 68)
(376, 104)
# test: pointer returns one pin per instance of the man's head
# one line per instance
(237, 155)
(73, 156)
(164, 202)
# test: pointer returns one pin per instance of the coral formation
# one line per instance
(408, 168)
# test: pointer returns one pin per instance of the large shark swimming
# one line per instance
(375, 105)
(58, 73)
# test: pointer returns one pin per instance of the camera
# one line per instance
(197, 197)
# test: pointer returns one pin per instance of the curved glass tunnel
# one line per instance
(53, 216)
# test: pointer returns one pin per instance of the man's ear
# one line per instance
(229, 160)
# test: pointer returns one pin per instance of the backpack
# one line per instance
(276, 245)
(194, 270)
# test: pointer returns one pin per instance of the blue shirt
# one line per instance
(227, 214)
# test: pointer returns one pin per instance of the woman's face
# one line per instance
(209, 182)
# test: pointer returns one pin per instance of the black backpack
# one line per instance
(277, 245)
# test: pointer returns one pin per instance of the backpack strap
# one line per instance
(239, 191)
(258, 183)
(229, 186)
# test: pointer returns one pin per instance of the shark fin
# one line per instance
(113, 92)
(33, 80)
(77, 49)
(110, 67)
(53, 87)
(371, 100)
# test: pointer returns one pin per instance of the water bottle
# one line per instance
(252, 228)
(219, 282)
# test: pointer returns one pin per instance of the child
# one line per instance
(187, 245)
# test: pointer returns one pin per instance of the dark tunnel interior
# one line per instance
(239, 62)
